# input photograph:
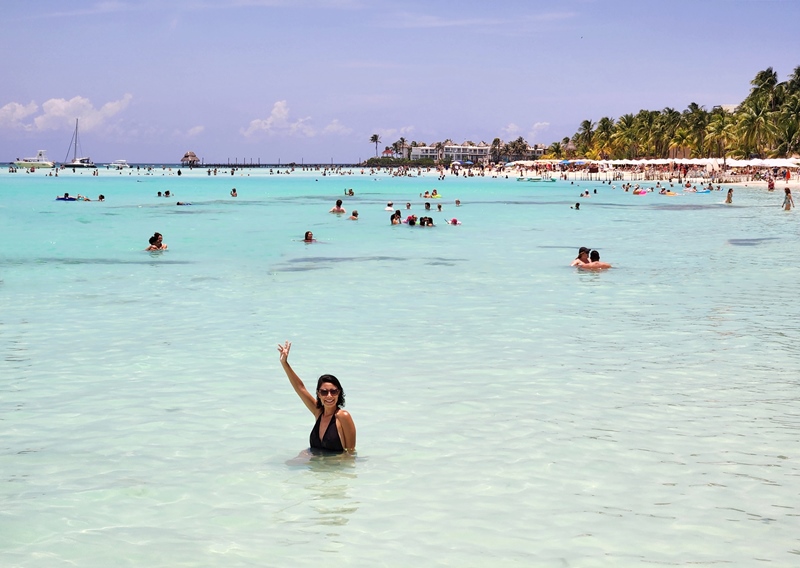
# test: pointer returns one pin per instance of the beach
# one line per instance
(511, 410)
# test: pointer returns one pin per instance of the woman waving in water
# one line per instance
(334, 430)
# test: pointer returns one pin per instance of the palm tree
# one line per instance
(765, 86)
(719, 132)
(584, 136)
(403, 145)
(602, 136)
(439, 150)
(375, 139)
(679, 141)
(787, 132)
(755, 126)
(668, 123)
(496, 149)
(556, 150)
(624, 137)
(695, 119)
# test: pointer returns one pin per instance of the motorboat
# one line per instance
(76, 162)
(118, 165)
(40, 161)
(537, 179)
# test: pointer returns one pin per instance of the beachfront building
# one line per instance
(477, 154)
(537, 151)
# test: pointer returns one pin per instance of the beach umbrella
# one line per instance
(468, 162)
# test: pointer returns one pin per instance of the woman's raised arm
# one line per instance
(308, 399)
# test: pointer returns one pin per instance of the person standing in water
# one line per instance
(729, 198)
(338, 209)
(788, 202)
(334, 429)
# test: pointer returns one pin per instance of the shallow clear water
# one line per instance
(510, 409)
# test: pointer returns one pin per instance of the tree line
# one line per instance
(765, 124)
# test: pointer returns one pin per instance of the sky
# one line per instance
(312, 80)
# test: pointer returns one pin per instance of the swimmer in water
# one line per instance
(157, 242)
(309, 237)
(334, 429)
(582, 258)
(594, 262)
(338, 209)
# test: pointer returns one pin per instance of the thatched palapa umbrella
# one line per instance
(190, 159)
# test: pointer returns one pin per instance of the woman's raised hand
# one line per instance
(284, 351)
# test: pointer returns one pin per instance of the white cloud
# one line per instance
(389, 135)
(512, 130)
(278, 122)
(12, 114)
(537, 129)
(336, 127)
(61, 113)
(191, 133)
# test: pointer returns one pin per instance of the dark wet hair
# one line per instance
(334, 381)
(594, 256)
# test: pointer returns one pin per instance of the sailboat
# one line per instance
(76, 161)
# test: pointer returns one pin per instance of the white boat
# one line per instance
(40, 161)
(76, 161)
(118, 165)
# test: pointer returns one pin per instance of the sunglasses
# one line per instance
(326, 392)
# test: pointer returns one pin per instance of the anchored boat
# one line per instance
(76, 161)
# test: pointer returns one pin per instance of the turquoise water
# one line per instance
(511, 410)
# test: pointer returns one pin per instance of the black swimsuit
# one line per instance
(330, 440)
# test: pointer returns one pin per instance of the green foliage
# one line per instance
(395, 162)
(767, 122)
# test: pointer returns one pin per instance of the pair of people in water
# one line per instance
(589, 259)
(334, 429)
(157, 242)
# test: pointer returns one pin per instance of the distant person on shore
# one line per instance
(233, 193)
(353, 216)
(788, 202)
(729, 198)
(594, 262)
(583, 256)
(309, 237)
(338, 209)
